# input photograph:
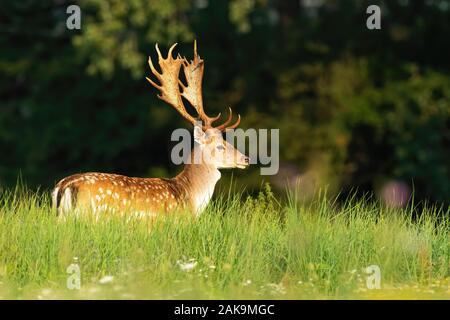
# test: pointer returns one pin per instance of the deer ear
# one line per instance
(199, 135)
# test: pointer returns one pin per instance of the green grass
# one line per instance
(242, 248)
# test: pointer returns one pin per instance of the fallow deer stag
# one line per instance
(193, 187)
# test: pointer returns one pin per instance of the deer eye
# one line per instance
(220, 147)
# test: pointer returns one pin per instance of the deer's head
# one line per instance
(210, 148)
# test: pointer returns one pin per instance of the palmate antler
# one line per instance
(170, 86)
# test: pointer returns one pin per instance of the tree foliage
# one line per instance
(358, 106)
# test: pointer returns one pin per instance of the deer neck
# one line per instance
(197, 182)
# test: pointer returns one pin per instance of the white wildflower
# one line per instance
(187, 266)
(106, 279)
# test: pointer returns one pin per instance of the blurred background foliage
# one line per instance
(355, 107)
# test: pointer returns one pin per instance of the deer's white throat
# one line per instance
(199, 182)
(204, 195)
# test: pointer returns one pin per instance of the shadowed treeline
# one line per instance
(355, 107)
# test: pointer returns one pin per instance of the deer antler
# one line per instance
(169, 88)
(192, 92)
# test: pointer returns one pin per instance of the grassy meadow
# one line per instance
(240, 248)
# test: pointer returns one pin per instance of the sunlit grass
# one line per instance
(239, 248)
